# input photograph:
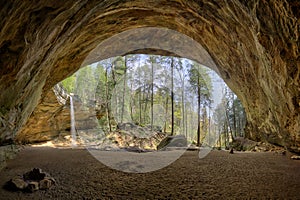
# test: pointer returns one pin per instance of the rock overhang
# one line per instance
(254, 44)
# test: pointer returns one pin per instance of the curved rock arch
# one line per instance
(255, 45)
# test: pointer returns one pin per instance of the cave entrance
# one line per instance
(105, 83)
(138, 95)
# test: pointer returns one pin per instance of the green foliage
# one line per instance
(85, 84)
(200, 81)
(69, 83)
(229, 117)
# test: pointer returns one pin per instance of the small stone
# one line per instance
(231, 151)
(281, 152)
(19, 183)
(294, 157)
(46, 183)
(35, 174)
(33, 186)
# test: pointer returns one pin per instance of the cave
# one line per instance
(254, 46)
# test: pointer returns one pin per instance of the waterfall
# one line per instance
(73, 131)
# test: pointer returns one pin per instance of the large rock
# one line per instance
(128, 136)
(138, 131)
(172, 141)
(243, 144)
(254, 44)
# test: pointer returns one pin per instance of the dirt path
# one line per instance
(219, 175)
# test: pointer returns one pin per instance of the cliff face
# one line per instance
(254, 44)
(50, 119)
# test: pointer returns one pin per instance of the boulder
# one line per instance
(172, 141)
(139, 131)
(295, 157)
(130, 139)
(19, 183)
(243, 144)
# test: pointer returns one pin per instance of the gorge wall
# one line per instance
(254, 44)
(50, 119)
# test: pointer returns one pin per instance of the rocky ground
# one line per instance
(78, 175)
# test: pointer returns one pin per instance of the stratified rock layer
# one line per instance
(50, 118)
(255, 45)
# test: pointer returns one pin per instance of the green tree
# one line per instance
(69, 83)
(85, 84)
(200, 82)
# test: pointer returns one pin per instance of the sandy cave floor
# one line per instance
(219, 175)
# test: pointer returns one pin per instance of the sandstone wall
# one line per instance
(50, 118)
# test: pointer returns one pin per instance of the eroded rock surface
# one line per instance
(127, 136)
(244, 144)
(51, 118)
(254, 44)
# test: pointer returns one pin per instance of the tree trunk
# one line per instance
(172, 95)
(124, 90)
(220, 138)
(228, 124)
(226, 134)
(234, 115)
(239, 129)
(140, 106)
(131, 100)
(107, 100)
(146, 103)
(226, 114)
(152, 90)
(166, 121)
(186, 123)
(199, 110)
(183, 109)
(113, 86)
(208, 126)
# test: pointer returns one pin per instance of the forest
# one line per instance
(173, 95)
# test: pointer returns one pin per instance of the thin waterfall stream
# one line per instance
(73, 130)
